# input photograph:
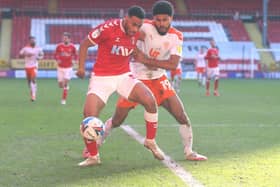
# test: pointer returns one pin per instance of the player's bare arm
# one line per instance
(170, 64)
(142, 35)
(86, 43)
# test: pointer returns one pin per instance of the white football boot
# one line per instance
(195, 157)
(153, 147)
(90, 161)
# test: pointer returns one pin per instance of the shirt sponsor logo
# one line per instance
(121, 50)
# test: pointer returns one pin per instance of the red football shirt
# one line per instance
(64, 54)
(114, 48)
(212, 56)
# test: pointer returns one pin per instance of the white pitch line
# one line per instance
(218, 125)
(168, 161)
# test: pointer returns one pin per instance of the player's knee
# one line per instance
(116, 122)
(60, 84)
(150, 105)
(182, 118)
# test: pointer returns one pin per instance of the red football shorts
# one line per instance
(200, 70)
(161, 88)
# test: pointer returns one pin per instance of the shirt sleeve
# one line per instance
(177, 48)
(41, 54)
(22, 51)
(97, 34)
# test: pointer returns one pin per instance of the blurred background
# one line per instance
(246, 32)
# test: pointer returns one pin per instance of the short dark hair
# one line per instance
(163, 7)
(136, 11)
(31, 37)
(67, 34)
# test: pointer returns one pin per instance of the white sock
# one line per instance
(203, 80)
(108, 130)
(187, 138)
(33, 87)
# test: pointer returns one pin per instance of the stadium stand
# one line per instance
(223, 6)
(102, 7)
(38, 5)
(273, 31)
(235, 29)
(28, 5)
(226, 7)
(78, 17)
(7, 4)
(196, 33)
(276, 52)
(21, 24)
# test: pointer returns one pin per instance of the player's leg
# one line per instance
(99, 91)
(179, 80)
(216, 82)
(67, 78)
(33, 84)
(93, 106)
(143, 95)
(208, 78)
(175, 107)
(65, 90)
(136, 91)
(123, 107)
(28, 79)
(60, 75)
(198, 78)
(172, 78)
(63, 79)
(203, 79)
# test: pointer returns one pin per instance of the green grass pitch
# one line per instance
(239, 132)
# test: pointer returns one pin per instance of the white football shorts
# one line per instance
(64, 74)
(213, 72)
(105, 86)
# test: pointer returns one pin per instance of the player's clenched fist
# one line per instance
(80, 73)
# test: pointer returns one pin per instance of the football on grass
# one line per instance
(92, 128)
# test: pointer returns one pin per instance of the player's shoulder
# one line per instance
(72, 45)
(147, 24)
(110, 24)
(176, 32)
(39, 48)
(148, 21)
(60, 44)
(24, 47)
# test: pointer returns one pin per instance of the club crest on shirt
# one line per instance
(179, 49)
(117, 39)
(95, 33)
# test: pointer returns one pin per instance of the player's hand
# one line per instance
(139, 56)
(29, 55)
(214, 56)
(152, 68)
(80, 73)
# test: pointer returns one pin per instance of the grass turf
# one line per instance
(238, 131)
